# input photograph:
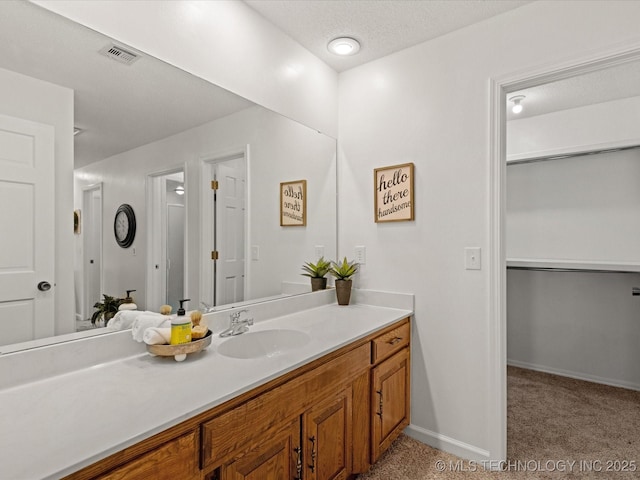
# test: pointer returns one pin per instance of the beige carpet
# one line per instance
(557, 428)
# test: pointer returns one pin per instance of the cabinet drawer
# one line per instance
(175, 459)
(388, 343)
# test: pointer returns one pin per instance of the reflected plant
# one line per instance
(106, 309)
(317, 270)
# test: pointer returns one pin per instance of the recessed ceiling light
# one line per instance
(344, 46)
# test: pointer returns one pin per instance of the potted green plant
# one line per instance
(343, 271)
(317, 272)
(105, 309)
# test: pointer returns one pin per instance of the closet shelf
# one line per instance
(572, 265)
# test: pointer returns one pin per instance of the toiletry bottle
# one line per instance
(127, 303)
(181, 326)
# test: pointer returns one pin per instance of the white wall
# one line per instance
(429, 104)
(600, 126)
(225, 42)
(32, 99)
(279, 150)
(580, 324)
(584, 209)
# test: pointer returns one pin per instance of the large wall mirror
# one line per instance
(200, 168)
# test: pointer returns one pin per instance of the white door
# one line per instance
(175, 254)
(27, 230)
(92, 226)
(229, 231)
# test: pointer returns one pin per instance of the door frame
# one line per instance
(87, 307)
(156, 244)
(499, 88)
(206, 214)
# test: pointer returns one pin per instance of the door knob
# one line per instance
(44, 286)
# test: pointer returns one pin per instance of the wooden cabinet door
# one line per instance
(278, 458)
(327, 438)
(175, 459)
(389, 401)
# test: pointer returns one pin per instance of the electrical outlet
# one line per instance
(319, 251)
(473, 258)
(361, 255)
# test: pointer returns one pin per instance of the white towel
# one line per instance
(142, 322)
(124, 318)
(157, 336)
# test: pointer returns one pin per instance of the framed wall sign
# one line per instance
(393, 193)
(293, 203)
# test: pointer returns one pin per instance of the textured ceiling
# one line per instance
(613, 83)
(381, 26)
(387, 26)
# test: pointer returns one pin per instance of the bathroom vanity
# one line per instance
(325, 409)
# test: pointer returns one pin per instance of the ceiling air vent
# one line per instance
(119, 54)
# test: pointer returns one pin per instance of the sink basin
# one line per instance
(265, 343)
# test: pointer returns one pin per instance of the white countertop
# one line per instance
(58, 425)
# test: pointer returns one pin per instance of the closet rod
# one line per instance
(569, 155)
(568, 270)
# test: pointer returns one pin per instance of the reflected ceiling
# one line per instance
(114, 116)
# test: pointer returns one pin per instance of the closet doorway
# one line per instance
(571, 224)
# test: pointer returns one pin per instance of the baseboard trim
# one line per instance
(447, 444)
(574, 375)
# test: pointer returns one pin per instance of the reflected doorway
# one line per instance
(167, 232)
(224, 229)
(92, 247)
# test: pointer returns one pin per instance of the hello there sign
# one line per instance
(393, 193)
(293, 203)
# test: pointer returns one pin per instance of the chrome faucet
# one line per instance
(206, 308)
(237, 326)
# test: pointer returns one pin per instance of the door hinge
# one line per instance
(214, 184)
(214, 255)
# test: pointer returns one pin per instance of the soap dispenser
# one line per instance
(127, 303)
(181, 326)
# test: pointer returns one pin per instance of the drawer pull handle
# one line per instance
(313, 454)
(379, 412)
(394, 340)
(298, 451)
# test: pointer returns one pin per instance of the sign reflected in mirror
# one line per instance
(293, 204)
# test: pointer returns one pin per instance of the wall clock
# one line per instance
(124, 225)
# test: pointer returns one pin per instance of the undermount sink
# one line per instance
(265, 343)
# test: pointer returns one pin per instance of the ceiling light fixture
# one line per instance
(179, 190)
(344, 46)
(517, 106)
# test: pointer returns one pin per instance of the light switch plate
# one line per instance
(319, 251)
(473, 258)
(255, 252)
(361, 254)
